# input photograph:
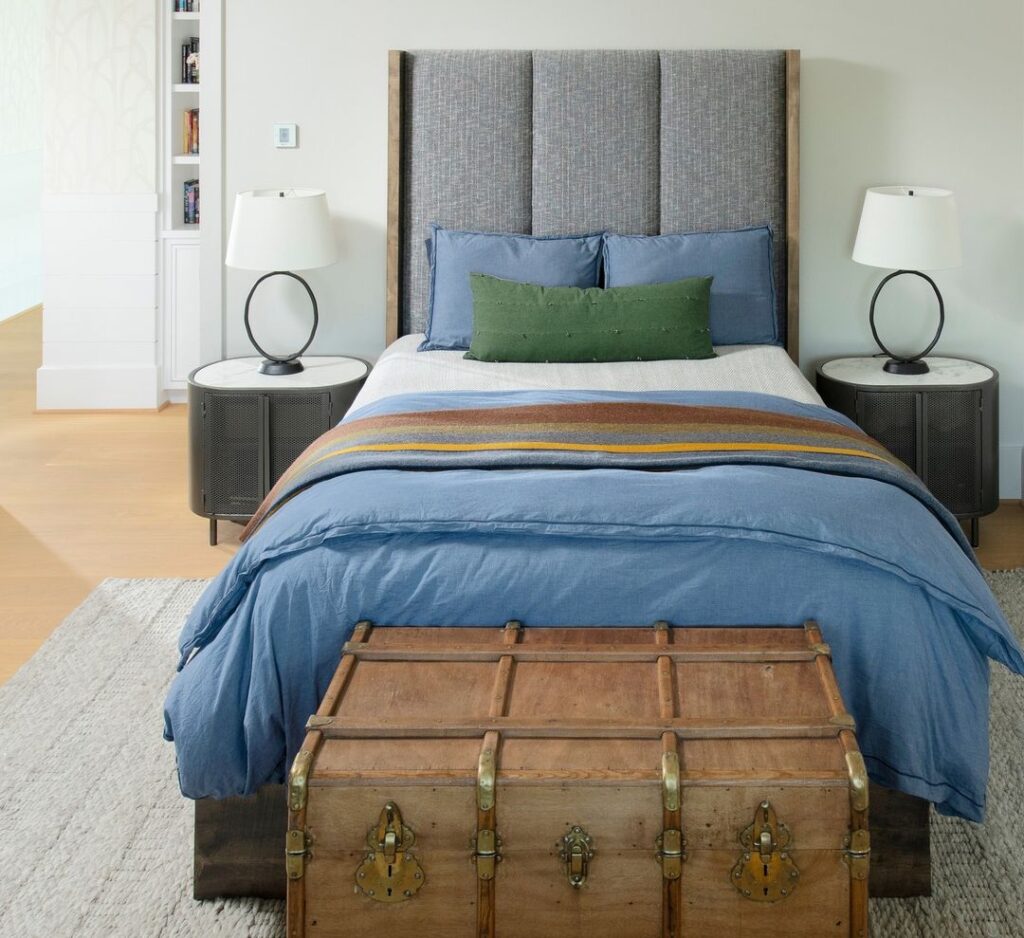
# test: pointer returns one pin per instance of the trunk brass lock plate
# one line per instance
(576, 850)
(765, 872)
(389, 872)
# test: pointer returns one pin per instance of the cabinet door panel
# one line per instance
(295, 421)
(952, 449)
(232, 430)
(181, 346)
(892, 419)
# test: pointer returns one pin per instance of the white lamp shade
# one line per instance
(908, 228)
(281, 229)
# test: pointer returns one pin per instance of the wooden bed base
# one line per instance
(239, 845)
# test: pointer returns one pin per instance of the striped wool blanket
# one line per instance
(637, 435)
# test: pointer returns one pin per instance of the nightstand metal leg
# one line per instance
(974, 532)
(213, 532)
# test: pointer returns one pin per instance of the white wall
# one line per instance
(100, 205)
(922, 91)
(100, 96)
(21, 156)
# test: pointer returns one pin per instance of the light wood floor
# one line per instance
(87, 496)
(83, 497)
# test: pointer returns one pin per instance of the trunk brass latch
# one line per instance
(487, 843)
(295, 852)
(765, 872)
(670, 843)
(576, 851)
(389, 873)
(486, 853)
(670, 853)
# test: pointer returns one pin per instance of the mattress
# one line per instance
(763, 369)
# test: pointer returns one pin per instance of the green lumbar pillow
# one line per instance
(523, 322)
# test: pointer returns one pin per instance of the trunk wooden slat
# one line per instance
(526, 782)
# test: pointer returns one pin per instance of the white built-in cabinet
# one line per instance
(181, 345)
(190, 254)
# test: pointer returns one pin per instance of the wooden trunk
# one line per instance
(238, 845)
(624, 782)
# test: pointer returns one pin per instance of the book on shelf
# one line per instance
(190, 131)
(191, 203)
(190, 61)
(186, 6)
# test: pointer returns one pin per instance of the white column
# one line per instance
(99, 302)
(100, 206)
(21, 156)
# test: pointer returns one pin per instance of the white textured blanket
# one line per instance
(765, 369)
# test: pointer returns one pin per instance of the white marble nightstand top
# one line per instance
(867, 371)
(319, 371)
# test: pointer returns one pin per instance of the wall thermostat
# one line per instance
(285, 135)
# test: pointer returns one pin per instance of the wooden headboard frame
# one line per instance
(395, 194)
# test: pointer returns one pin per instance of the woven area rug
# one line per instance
(95, 840)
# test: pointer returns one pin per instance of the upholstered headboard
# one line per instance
(544, 142)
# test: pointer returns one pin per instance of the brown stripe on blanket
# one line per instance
(611, 427)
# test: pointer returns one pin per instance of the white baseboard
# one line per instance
(1010, 455)
(99, 388)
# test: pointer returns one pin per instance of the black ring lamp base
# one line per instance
(272, 366)
(896, 366)
(276, 364)
(913, 364)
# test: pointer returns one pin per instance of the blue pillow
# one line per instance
(454, 255)
(742, 294)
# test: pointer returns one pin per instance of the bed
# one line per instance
(507, 141)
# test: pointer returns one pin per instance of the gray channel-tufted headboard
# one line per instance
(544, 142)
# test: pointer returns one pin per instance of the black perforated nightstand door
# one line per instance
(952, 464)
(245, 430)
(944, 425)
(892, 419)
(232, 472)
(295, 421)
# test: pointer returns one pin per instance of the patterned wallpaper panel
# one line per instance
(21, 73)
(100, 99)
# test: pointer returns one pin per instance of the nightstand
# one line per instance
(246, 428)
(943, 424)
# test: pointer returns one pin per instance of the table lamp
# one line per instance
(911, 229)
(281, 231)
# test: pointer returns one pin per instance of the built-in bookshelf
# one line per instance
(191, 161)
(182, 105)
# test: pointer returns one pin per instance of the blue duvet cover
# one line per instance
(909, 617)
